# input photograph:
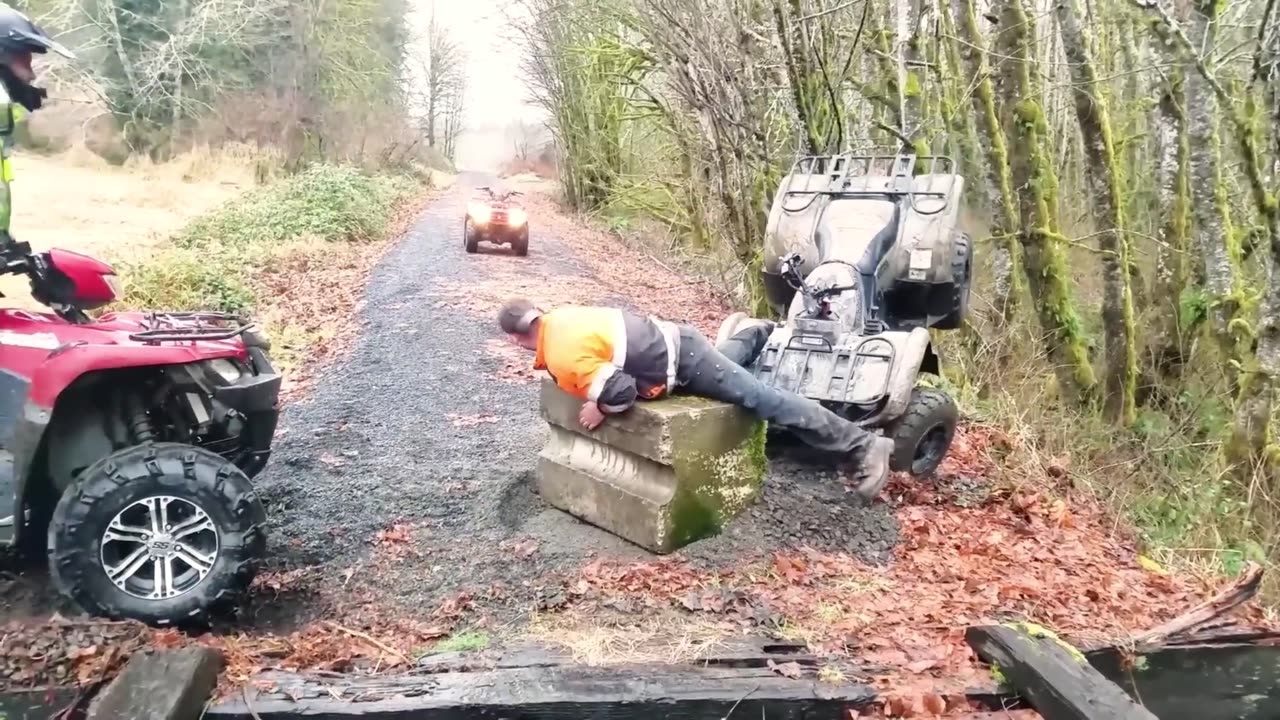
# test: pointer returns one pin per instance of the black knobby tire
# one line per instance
(923, 435)
(469, 239)
(961, 281)
(199, 477)
(521, 245)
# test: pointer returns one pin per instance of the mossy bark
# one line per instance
(1036, 185)
(1101, 167)
(953, 77)
(813, 81)
(1256, 353)
(1006, 253)
(1168, 341)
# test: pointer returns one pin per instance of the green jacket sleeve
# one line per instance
(11, 114)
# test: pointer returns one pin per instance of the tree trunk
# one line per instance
(1034, 182)
(1214, 235)
(1101, 167)
(1006, 254)
(1173, 193)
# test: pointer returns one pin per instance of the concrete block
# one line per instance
(160, 685)
(662, 475)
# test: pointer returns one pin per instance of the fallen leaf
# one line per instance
(935, 704)
(1150, 565)
(331, 460)
(920, 666)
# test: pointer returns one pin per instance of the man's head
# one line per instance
(19, 39)
(519, 319)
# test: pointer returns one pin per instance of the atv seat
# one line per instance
(867, 266)
(879, 246)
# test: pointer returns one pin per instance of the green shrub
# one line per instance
(332, 202)
(185, 279)
(215, 259)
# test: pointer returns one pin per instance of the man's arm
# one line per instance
(612, 390)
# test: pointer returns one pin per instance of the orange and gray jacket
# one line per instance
(608, 355)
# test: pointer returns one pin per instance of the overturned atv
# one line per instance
(864, 256)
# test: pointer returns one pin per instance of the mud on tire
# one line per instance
(110, 490)
(521, 244)
(962, 280)
(922, 436)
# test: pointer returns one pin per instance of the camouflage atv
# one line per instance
(863, 255)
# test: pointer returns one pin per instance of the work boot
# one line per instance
(873, 469)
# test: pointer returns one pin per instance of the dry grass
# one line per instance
(76, 201)
(664, 639)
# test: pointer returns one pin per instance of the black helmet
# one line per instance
(19, 37)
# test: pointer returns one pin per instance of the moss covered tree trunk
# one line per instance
(1035, 185)
(1006, 253)
(1259, 365)
(1214, 238)
(954, 77)
(1102, 170)
(1168, 345)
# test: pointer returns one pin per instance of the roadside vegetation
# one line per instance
(325, 142)
(1122, 163)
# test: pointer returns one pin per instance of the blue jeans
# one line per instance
(719, 374)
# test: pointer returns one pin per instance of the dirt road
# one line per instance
(407, 471)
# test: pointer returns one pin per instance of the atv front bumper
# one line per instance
(500, 234)
(257, 397)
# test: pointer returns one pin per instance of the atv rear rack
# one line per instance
(178, 327)
(874, 175)
(846, 363)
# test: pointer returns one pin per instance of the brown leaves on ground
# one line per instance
(364, 645)
(64, 653)
(1021, 555)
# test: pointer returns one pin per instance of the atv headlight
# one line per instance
(479, 212)
(225, 369)
(517, 217)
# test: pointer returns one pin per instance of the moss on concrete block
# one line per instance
(662, 475)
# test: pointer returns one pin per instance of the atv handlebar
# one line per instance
(15, 257)
(493, 195)
(791, 271)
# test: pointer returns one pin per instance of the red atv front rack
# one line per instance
(191, 326)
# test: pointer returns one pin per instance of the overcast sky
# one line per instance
(496, 93)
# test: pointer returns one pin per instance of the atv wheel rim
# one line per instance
(159, 547)
(930, 449)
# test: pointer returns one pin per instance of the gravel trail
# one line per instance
(411, 435)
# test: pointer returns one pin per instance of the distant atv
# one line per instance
(496, 219)
(128, 443)
(864, 255)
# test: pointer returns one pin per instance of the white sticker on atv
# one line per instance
(921, 259)
(42, 341)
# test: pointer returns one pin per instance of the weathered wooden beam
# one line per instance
(1054, 677)
(1215, 607)
(550, 693)
(160, 685)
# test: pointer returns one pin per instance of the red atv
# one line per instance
(132, 437)
(496, 219)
